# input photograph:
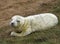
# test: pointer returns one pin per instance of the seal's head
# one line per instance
(16, 20)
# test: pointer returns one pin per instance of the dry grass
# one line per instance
(26, 8)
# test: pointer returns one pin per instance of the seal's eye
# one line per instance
(18, 21)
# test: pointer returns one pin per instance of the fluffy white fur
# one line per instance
(33, 23)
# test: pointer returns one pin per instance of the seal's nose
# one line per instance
(12, 24)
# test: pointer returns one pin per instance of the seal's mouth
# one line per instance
(12, 25)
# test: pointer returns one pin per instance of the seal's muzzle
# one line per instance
(12, 24)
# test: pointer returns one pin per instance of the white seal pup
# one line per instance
(33, 23)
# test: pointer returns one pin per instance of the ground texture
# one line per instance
(9, 8)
